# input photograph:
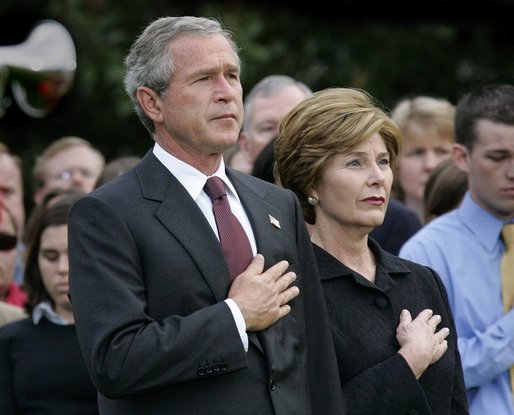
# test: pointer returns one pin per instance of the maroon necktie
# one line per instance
(233, 238)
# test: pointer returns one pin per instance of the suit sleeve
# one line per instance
(323, 375)
(126, 352)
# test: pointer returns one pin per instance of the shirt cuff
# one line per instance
(239, 320)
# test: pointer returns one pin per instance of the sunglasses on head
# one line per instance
(7, 241)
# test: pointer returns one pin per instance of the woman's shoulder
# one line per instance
(396, 264)
(16, 328)
(10, 313)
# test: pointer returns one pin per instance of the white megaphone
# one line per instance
(40, 70)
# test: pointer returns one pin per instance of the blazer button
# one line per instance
(200, 371)
(381, 302)
(272, 385)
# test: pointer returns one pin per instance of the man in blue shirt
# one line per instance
(465, 246)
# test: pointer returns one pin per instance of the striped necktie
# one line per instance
(233, 238)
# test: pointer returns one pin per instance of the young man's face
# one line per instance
(490, 167)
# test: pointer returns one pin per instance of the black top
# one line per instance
(42, 371)
(364, 317)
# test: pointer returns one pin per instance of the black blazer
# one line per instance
(364, 317)
(148, 281)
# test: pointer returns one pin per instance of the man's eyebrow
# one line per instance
(210, 70)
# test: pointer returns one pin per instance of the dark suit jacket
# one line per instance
(148, 281)
(400, 223)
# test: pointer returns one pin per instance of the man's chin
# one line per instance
(226, 141)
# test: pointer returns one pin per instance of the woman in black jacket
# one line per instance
(391, 322)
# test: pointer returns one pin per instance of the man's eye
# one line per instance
(498, 157)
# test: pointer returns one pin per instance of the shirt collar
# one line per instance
(480, 222)
(388, 265)
(192, 179)
(44, 309)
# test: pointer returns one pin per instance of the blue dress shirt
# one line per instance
(465, 249)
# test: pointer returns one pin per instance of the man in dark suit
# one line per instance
(162, 328)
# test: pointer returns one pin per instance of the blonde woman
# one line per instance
(426, 124)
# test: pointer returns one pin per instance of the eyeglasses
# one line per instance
(7, 241)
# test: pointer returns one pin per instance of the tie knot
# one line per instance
(508, 235)
(215, 188)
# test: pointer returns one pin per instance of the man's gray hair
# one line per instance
(150, 63)
(267, 87)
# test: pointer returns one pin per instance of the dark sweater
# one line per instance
(42, 371)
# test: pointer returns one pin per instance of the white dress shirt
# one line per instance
(194, 181)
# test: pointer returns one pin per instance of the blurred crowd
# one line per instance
(437, 182)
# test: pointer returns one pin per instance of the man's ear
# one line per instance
(244, 142)
(460, 157)
(38, 196)
(150, 102)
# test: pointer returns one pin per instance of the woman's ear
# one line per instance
(150, 102)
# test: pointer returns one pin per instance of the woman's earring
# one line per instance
(313, 200)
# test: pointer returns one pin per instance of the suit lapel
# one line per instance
(264, 217)
(182, 217)
(265, 220)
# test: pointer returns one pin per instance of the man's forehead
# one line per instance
(494, 135)
(7, 161)
(197, 47)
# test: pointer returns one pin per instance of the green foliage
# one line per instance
(390, 58)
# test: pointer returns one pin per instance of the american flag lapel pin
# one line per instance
(274, 221)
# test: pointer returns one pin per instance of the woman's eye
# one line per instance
(353, 163)
(51, 256)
